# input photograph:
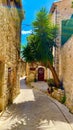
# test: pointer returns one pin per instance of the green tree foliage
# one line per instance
(42, 39)
(40, 44)
(45, 32)
(29, 51)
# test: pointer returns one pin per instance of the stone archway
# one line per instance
(40, 74)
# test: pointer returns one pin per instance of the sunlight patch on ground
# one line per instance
(44, 124)
(25, 96)
(52, 125)
(23, 77)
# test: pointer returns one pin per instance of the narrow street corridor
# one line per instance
(33, 110)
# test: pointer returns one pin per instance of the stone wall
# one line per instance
(67, 71)
(22, 68)
(60, 10)
(10, 24)
(32, 72)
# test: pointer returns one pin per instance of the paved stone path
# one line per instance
(33, 110)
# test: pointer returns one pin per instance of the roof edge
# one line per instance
(54, 6)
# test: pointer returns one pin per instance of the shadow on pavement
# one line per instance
(37, 114)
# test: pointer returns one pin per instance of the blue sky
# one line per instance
(31, 7)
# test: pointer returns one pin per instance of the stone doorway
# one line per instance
(40, 74)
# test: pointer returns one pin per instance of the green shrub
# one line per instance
(51, 82)
(63, 100)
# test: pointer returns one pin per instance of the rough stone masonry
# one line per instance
(62, 10)
(11, 15)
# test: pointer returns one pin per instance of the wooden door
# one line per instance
(41, 74)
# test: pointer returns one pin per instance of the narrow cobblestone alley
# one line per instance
(33, 110)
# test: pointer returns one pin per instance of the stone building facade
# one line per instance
(11, 16)
(37, 72)
(67, 71)
(62, 10)
(22, 68)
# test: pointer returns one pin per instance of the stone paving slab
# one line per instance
(41, 85)
(65, 111)
(33, 110)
